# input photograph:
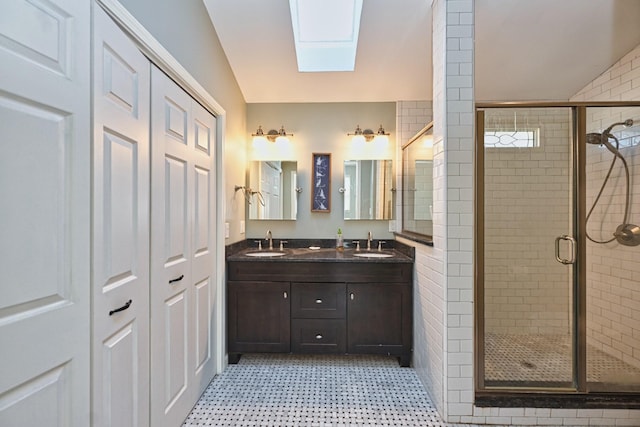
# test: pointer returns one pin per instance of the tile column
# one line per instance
(453, 107)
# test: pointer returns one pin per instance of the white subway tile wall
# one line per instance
(527, 205)
(613, 270)
(428, 299)
(453, 143)
(443, 330)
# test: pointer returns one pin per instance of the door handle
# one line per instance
(123, 308)
(177, 279)
(572, 244)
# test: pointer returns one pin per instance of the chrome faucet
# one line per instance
(369, 239)
(270, 239)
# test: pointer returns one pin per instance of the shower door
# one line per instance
(612, 264)
(527, 238)
(558, 249)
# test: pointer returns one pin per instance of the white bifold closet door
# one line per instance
(120, 285)
(45, 144)
(182, 239)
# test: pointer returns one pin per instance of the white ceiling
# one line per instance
(525, 49)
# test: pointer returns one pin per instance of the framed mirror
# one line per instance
(368, 189)
(417, 183)
(273, 194)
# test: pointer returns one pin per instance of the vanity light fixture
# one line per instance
(381, 132)
(366, 134)
(273, 135)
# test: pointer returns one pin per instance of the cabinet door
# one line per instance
(258, 317)
(379, 318)
(120, 229)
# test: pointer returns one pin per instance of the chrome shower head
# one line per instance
(603, 138)
(626, 123)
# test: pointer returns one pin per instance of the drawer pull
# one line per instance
(352, 296)
(318, 301)
(284, 295)
(318, 337)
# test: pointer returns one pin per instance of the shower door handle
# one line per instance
(572, 244)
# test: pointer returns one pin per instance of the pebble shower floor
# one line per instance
(305, 390)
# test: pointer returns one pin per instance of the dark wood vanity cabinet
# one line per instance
(258, 318)
(318, 314)
(320, 308)
(377, 321)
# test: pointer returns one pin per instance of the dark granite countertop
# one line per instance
(395, 253)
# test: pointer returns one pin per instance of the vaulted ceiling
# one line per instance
(525, 49)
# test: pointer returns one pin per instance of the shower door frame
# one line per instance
(579, 395)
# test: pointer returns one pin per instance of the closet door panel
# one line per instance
(203, 302)
(183, 136)
(202, 210)
(45, 213)
(203, 261)
(119, 366)
(172, 210)
(175, 208)
(120, 229)
(176, 351)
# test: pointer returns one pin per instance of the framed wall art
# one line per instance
(321, 174)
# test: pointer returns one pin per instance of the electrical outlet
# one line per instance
(392, 226)
(242, 227)
(226, 230)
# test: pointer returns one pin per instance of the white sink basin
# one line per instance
(265, 254)
(372, 255)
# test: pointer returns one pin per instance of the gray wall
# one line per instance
(323, 128)
(185, 30)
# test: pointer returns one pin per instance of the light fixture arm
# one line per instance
(357, 132)
(368, 134)
(272, 134)
(259, 132)
(283, 132)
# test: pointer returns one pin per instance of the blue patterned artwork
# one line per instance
(321, 174)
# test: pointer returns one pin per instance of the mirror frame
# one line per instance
(388, 187)
(408, 233)
(253, 194)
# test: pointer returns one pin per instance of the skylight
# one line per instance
(326, 34)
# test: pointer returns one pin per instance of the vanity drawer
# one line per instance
(318, 300)
(318, 336)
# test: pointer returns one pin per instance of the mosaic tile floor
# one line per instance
(547, 358)
(306, 390)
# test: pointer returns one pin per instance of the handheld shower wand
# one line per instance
(626, 234)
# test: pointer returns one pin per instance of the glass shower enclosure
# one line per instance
(558, 248)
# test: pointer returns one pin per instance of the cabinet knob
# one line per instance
(284, 295)
(352, 296)
(318, 301)
(318, 337)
